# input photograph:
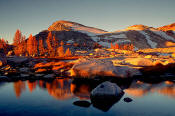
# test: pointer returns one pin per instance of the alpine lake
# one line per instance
(71, 97)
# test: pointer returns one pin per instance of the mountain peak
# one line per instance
(63, 25)
(167, 27)
(138, 27)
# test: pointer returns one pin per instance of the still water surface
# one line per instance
(64, 97)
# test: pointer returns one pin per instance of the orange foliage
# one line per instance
(17, 38)
(41, 47)
(123, 46)
(32, 45)
(68, 52)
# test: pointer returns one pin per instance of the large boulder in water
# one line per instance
(105, 95)
(106, 89)
(91, 68)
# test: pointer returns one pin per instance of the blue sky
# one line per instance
(33, 16)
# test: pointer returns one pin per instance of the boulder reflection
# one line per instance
(81, 88)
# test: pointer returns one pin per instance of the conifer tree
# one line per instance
(60, 51)
(30, 45)
(17, 38)
(41, 47)
(35, 46)
(112, 46)
(55, 45)
(68, 52)
(49, 42)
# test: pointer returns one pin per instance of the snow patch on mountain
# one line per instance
(106, 44)
(151, 43)
(95, 38)
(88, 30)
(123, 41)
(108, 38)
(163, 34)
(118, 36)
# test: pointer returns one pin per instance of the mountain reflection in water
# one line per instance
(72, 97)
(63, 89)
(140, 89)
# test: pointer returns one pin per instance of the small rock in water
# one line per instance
(106, 89)
(24, 75)
(127, 99)
(105, 95)
(82, 103)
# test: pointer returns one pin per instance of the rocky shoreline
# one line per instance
(25, 68)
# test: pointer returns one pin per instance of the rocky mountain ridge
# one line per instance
(140, 36)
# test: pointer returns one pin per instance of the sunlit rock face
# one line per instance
(139, 61)
(138, 27)
(90, 68)
(73, 26)
(167, 27)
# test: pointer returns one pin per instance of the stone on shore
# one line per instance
(90, 68)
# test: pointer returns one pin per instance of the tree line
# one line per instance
(34, 47)
(126, 46)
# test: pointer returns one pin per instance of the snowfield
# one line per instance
(84, 29)
(151, 43)
(163, 34)
(118, 36)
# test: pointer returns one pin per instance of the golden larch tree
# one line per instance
(41, 47)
